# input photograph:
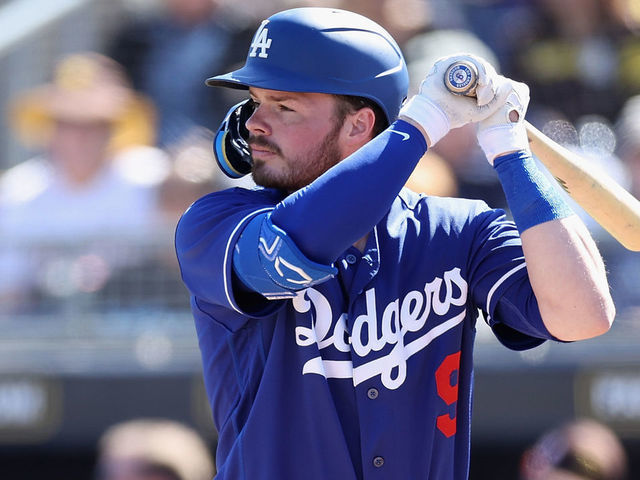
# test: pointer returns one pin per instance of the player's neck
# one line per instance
(360, 244)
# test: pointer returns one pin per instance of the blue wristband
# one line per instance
(532, 198)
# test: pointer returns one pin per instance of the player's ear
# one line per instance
(359, 125)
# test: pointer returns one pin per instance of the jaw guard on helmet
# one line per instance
(230, 147)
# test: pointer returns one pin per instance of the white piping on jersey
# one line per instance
(226, 257)
(500, 281)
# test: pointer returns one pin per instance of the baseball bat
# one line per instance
(605, 200)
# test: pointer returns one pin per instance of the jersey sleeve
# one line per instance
(205, 237)
(500, 285)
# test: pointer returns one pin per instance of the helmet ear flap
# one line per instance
(230, 144)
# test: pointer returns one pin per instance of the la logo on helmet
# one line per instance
(261, 42)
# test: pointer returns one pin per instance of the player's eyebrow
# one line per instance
(278, 96)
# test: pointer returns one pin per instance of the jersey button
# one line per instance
(351, 259)
(372, 393)
(378, 462)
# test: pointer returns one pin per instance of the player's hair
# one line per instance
(351, 103)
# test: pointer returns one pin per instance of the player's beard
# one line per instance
(301, 170)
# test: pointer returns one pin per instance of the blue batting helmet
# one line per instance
(324, 50)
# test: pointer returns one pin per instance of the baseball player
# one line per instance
(336, 310)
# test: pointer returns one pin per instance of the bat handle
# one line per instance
(461, 78)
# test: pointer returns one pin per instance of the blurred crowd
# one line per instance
(577, 449)
(119, 141)
(153, 449)
(164, 449)
(120, 138)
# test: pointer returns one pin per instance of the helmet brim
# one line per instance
(227, 80)
(271, 79)
(287, 81)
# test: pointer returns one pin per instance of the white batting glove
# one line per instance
(504, 131)
(437, 110)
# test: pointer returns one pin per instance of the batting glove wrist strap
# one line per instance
(428, 115)
(504, 131)
(501, 139)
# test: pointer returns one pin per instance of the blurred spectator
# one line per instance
(578, 57)
(504, 25)
(582, 449)
(627, 12)
(401, 18)
(169, 53)
(193, 174)
(91, 128)
(95, 177)
(153, 449)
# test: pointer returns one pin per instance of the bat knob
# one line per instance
(461, 78)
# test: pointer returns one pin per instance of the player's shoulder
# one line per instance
(469, 220)
(227, 205)
(235, 197)
(452, 214)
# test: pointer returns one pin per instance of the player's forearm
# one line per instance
(568, 277)
(565, 268)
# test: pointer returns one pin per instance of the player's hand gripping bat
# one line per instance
(615, 209)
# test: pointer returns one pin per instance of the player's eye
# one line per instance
(284, 108)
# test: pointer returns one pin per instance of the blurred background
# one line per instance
(105, 140)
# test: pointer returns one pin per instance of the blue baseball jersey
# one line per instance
(369, 374)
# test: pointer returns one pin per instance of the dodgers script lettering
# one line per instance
(371, 333)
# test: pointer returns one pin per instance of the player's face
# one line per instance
(294, 137)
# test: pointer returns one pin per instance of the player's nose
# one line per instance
(257, 123)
